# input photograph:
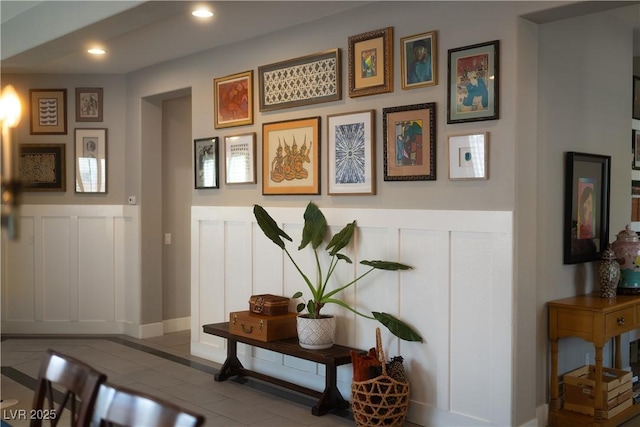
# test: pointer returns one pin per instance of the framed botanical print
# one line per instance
(206, 166)
(419, 60)
(291, 157)
(43, 167)
(240, 158)
(89, 104)
(91, 160)
(48, 111)
(233, 100)
(371, 63)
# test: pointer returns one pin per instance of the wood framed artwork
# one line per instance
(586, 207)
(43, 167)
(351, 153)
(89, 103)
(371, 63)
(409, 142)
(48, 111)
(233, 100)
(291, 157)
(240, 158)
(91, 160)
(206, 163)
(468, 156)
(307, 80)
(473, 83)
(419, 60)
(636, 98)
(635, 149)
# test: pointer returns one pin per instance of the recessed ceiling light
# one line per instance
(202, 13)
(97, 51)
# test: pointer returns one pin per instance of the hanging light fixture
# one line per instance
(10, 115)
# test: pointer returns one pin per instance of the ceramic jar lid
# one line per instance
(608, 254)
(628, 235)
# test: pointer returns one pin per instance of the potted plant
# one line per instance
(314, 232)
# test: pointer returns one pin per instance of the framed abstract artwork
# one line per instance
(419, 60)
(233, 100)
(206, 163)
(91, 160)
(291, 157)
(43, 167)
(371, 63)
(468, 156)
(48, 111)
(240, 158)
(586, 206)
(351, 153)
(89, 104)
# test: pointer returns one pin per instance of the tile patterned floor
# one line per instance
(163, 367)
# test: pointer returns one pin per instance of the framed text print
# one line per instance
(48, 111)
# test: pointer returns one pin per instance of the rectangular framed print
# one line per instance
(91, 160)
(233, 100)
(351, 153)
(240, 159)
(635, 149)
(48, 111)
(636, 98)
(43, 167)
(89, 104)
(371, 63)
(419, 60)
(469, 156)
(206, 163)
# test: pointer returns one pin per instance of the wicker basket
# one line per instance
(381, 401)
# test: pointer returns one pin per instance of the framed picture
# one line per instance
(419, 60)
(469, 156)
(371, 63)
(586, 210)
(291, 157)
(635, 149)
(410, 142)
(307, 80)
(473, 83)
(48, 109)
(233, 100)
(88, 104)
(351, 153)
(91, 160)
(636, 97)
(205, 163)
(240, 158)
(43, 167)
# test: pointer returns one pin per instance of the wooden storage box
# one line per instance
(606, 413)
(263, 328)
(268, 304)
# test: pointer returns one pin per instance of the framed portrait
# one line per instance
(351, 153)
(586, 210)
(240, 158)
(91, 160)
(469, 156)
(636, 97)
(48, 111)
(205, 163)
(419, 60)
(233, 100)
(89, 104)
(371, 63)
(409, 142)
(43, 167)
(291, 157)
(473, 83)
(307, 80)
(635, 149)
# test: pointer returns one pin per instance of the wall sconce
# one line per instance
(10, 114)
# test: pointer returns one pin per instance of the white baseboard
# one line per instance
(177, 325)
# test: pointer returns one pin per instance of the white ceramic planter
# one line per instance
(316, 334)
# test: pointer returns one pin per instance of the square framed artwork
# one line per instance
(206, 163)
(371, 63)
(636, 98)
(43, 167)
(307, 80)
(409, 142)
(419, 60)
(48, 111)
(635, 149)
(473, 83)
(468, 156)
(91, 160)
(89, 101)
(240, 158)
(233, 100)
(351, 153)
(291, 157)
(586, 207)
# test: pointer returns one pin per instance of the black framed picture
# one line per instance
(206, 163)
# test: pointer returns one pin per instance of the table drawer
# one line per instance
(620, 321)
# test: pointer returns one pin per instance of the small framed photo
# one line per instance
(636, 97)
(419, 60)
(43, 167)
(205, 163)
(371, 63)
(635, 149)
(240, 158)
(351, 153)
(91, 160)
(473, 83)
(586, 207)
(409, 142)
(89, 104)
(469, 156)
(233, 100)
(291, 157)
(48, 111)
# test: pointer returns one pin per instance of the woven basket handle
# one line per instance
(380, 352)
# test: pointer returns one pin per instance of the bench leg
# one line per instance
(232, 365)
(331, 397)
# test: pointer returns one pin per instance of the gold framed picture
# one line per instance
(233, 100)
(48, 111)
(371, 63)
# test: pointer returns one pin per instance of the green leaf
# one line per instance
(300, 307)
(315, 227)
(297, 295)
(344, 258)
(397, 327)
(341, 239)
(386, 265)
(269, 226)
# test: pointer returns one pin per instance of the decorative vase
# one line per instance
(627, 252)
(316, 334)
(608, 274)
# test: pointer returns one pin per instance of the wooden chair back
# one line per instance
(76, 387)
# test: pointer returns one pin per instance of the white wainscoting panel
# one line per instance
(458, 296)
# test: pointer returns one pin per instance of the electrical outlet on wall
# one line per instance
(131, 200)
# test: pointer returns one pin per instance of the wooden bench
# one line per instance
(333, 357)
